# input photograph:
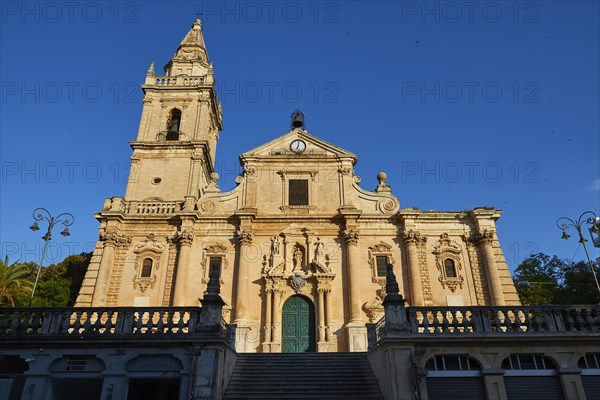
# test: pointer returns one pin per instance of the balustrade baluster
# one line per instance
(579, 321)
(426, 322)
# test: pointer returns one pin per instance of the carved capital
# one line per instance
(183, 238)
(351, 236)
(413, 237)
(324, 289)
(197, 157)
(486, 237)
(245, 237)
(346, 171)
(114, 239)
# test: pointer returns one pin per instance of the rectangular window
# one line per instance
(215, 263)
(382, 262)
(298, 192)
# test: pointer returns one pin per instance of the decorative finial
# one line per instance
(382, 187)
(197, 24)
(151, 70)
(297, 119)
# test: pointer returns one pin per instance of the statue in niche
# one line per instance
(298, 256)
(319, 251)
(274, 246)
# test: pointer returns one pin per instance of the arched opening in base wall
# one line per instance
(454, 377)
(298, 326)
(11, 377)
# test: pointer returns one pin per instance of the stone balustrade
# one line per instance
(118, 322)
(153, 207)
(178, 80)
(118, 204)
(494, 321)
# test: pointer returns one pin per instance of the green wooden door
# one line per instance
(298, 328)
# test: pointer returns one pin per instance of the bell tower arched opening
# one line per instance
(173, 123)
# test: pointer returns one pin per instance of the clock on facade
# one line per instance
(298, 146)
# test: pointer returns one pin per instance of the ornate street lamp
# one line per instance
(595, 232)
(592, 219)
(40, 214)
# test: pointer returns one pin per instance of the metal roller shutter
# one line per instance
(533, 387)
(591, 386)
(455, 388)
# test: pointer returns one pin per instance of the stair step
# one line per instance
(303, 376)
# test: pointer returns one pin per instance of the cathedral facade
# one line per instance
(300, 247)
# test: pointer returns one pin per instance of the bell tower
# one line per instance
(174, 153)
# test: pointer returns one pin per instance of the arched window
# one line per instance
(12, 380)
(528, 376)
(146, 268)
(590, 374)
(450, 268)
(454, 377)
(173, 124)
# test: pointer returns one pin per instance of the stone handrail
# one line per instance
(178, 80)
(153, 207)
(495, 321)
(105, 322)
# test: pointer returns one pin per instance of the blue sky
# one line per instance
(461, 104)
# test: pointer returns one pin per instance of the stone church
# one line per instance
(300, 245)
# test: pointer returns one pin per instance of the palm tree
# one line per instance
(15, 281)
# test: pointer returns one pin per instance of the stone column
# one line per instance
(268, 328)
(276, 342)
(357, 330)
(242, 316)
(111, 241)
(411, 238)
(322, 338)
(194, 179)
(243, 276)
(182, 281)
(353, 271)
(330, 329)
(486, 239)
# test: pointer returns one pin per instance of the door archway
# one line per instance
(298, 325)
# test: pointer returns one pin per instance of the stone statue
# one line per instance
(274, 246)
(298, 259)
(319, 251)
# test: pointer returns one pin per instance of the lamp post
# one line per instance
(592, 219)
(40, 214)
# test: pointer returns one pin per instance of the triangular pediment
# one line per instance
(282, 146)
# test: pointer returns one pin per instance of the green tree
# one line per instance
(537, 279)
(580, 286)
(541, 279)
(15, 282)
(59, 283)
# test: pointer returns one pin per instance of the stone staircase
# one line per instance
(303, 376)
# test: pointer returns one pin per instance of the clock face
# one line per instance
(298, 146)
